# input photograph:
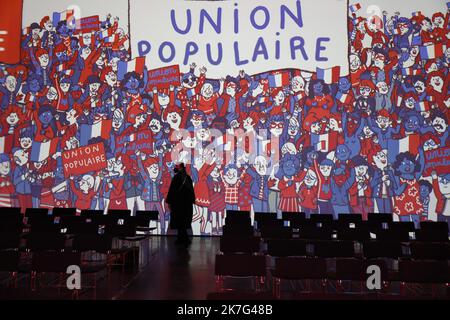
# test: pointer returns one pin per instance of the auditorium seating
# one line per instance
(330, 257)
(42, 243)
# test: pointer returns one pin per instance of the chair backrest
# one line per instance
(321, 217)
(45, 224)
(358, 233)
(261, 223)
(64, 212)
(276, 232)
(54, 261)
(432, 235)
(238, 220)
(401, 225)
(394, 235)
(79, 225)
(230, 213)
(45, 241)
(235, 244)
(91, 213)
(356, 269)
(237, 230)
(92, 242)
(120, 213)
(30, 212)
(13, 224)
(9, 212)
(9, 260)
(286, 247)
(334, 249)
(432, 225)
(265, 216)
(293, 216)
(9, 240)
(349, 217)
(430, 251)
(300, 268)
(423, 271)
(315, 233)
(382, 249)
(381, 217)
(240, 265)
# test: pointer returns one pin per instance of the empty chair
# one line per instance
(382, 249)
(432, 235)
(435, 226)
(238, 220)
(143, 219)
(64, 212)
(91, 213)
(430, 251)
(238, 230)
(349, 217)
(235, 244)
(334, 249)
(424, 272)
(44, 224)
(276, 232)
(9, 212)
(399, 225)
(315, 233)
(11, 223)
(298, 268)
(265, 215)
(240, 265)
(380, 217)
(45, 241)
(352, 269)
(321, 217)
(29, 212)
(120, 213)
(393, 235)
(286, 247)
(293, 216)
(261, 223)
(9, 262)
(92, 242)
(9, 240)
(230, 213)
(359, 232)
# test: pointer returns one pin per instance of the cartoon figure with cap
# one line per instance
(191, 85)
(85, 192)
(441, 188)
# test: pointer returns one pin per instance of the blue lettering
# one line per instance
(188, 23)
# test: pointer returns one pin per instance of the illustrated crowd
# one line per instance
(354, 145)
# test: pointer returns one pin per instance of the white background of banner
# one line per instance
(326, 18)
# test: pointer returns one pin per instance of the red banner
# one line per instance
(10, 31)
(84, 159)
(129, 143)
(437, 160)
(163, 78)
(88, 24)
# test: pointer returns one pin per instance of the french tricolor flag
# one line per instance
(101, 129)
(344, 98)
(42, 150)
(423, 106)
(6, 144)
(190, 93)
(432, 51)
(417, 13)
(279, 79)
(324, 142)
(136, 65)
(263, 99)
(410, 144)
(330, 75)
(410, 71)
(355, 7)
(106, 33)
(62, 16)
(62, 69)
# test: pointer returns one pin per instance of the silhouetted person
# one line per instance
(180, 199)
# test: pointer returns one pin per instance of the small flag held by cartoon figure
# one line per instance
(63, 16)
(101, 129)
(279, 79)
(136, 65)
(330, 75)
(42, 150)
(355, 7)
(432, 51)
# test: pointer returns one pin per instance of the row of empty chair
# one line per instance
(327, 253)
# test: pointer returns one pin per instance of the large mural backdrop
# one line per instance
(83, 125)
